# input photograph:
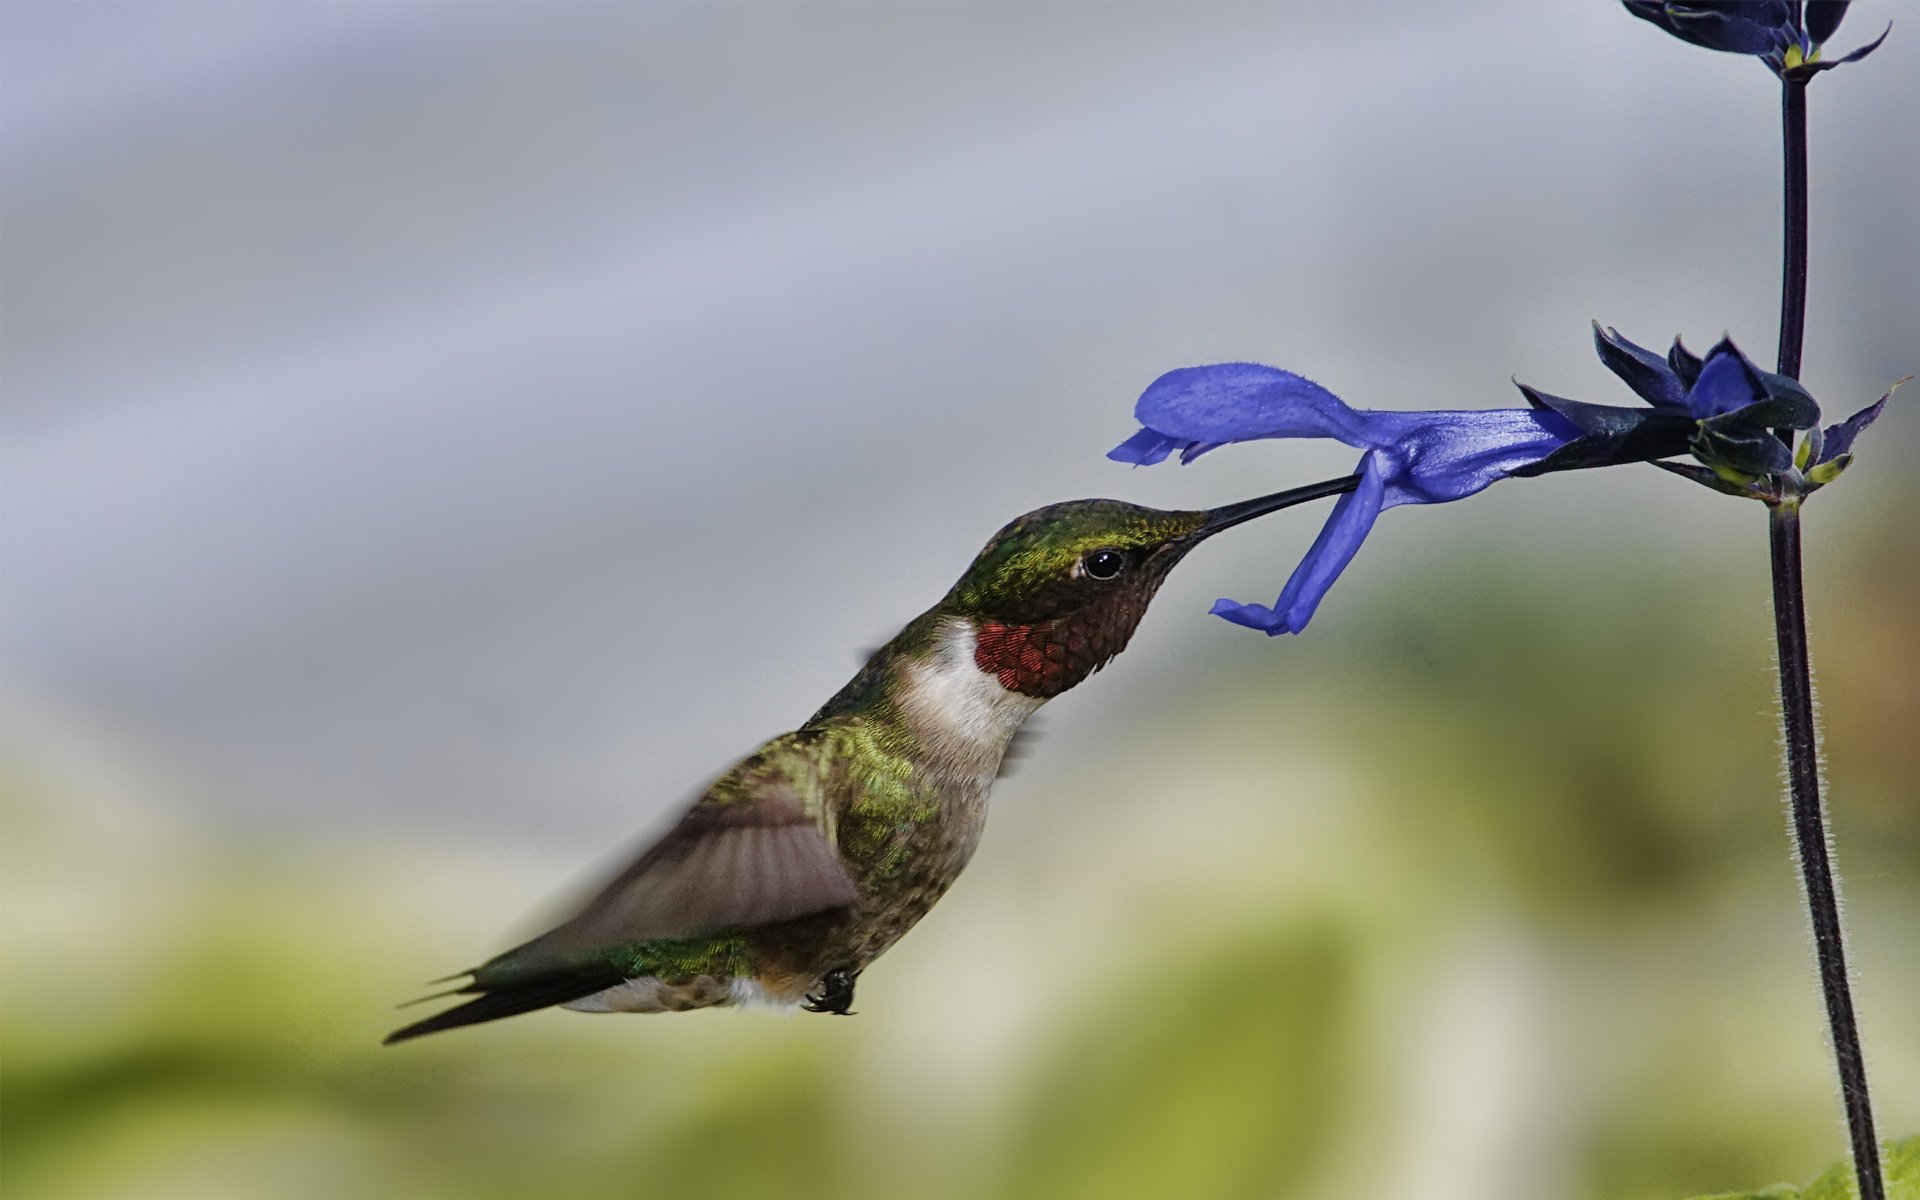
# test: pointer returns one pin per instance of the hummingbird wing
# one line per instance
(730, 863)
(751, 852)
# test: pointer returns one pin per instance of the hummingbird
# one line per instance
(812, 856)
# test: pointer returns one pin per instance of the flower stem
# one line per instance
(1793, 249)
(1796, 683)
(1810, 837)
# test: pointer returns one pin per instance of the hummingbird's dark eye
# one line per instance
(1103, 564)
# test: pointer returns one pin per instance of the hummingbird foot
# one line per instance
(836, 993)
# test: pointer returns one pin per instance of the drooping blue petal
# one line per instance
(1651, 377)
(1838, 439)
(1353, 516)
(1727, 382)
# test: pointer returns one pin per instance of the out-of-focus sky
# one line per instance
(460, 430)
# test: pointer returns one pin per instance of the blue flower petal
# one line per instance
(1423, 457)
(1353, 515)
(1727, 381)
(1412, 457)
(1442, 456)
(1429, 456)
(1253, 616)
(1237, 402)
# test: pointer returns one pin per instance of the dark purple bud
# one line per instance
(1739, 27)
(1823, 18)
(1608, 435)
(1685, 363)
(1650, 376)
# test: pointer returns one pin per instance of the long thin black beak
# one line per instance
(1229, 515)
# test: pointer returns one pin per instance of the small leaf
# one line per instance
(1899, 1166)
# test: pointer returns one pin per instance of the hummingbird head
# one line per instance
(1058, 592)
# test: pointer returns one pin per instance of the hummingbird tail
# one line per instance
(493, 1005)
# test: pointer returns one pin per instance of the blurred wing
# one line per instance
(747, 854)
(737, 863)
(725, 865)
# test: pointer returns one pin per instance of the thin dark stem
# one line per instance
(1793, 247)
(1796, 685)
(1810, 836)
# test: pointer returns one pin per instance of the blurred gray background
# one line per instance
(453, 432)
(429, 414)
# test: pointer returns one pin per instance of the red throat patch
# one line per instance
(1046, 659)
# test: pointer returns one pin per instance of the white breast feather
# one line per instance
(962, 713)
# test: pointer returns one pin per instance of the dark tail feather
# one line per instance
(459, 991)
(494, 1005)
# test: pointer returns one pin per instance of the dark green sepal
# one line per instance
(1775, 412)
(1609, 435)
(1787, 406)
(1706, 478)
(1738, 452)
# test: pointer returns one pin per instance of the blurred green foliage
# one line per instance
(1900, 1162)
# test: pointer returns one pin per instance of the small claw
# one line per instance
(836, 994)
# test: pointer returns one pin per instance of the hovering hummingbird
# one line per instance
(812, 856)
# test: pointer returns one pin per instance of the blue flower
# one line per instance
(1411, 457)
(1784, 34)
(1721, 409)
